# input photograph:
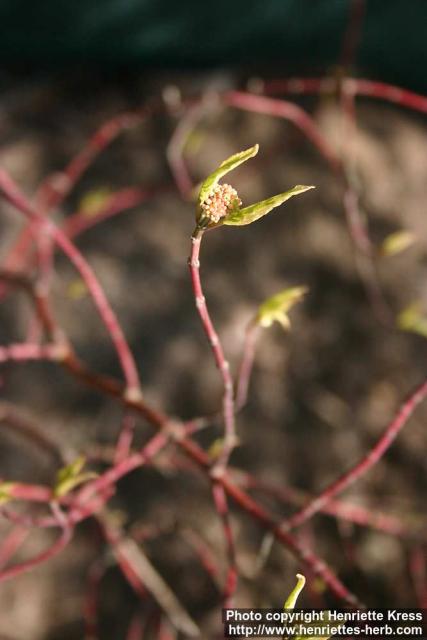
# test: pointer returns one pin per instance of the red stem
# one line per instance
(288, 111)
(356, 514)
(203, 461)
(117, 203)
(221, 505)
(246, 365)
(16, 198)
(58, 546)
(367, 462)
(297, 115)
(11, 543)
(23, 426)
(358, 86)
(55, 188)
(204, 552)
(305, 555)
(110, 477)
(125, 566)
(25, 352)
(217, 350)
(124, 441)
(176, 147)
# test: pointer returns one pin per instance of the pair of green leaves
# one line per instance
(67, 479)
(71, 476)
(276, 308)
(246, 215)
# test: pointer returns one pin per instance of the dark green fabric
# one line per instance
(193, 33)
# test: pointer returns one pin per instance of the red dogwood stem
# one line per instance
(221, 505)
(288, 111)
(217, 350)
(55, 188)
(246, 365)
(11, 543)
(358, 86)
(16, 198)
(26, 351)
(303, 553)
(53, 550)
(368, 461)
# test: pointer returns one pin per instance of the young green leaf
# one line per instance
(94, 201)
(71, 476)
(397, 242)
(250, 214)
(225, 167)
(5, 492)
(325, 622)
(293, 596)
(412, 319)
(276, 308)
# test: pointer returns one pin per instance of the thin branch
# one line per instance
(358, 86)
(288, 111)
(117, 203)
(220, 500)
(55, 188)
(16, 198)
(364, 465)
(352, 513)
(58, 546)
(252, 333)
(217, 350)
(12, 416)
(128, 552)
(11, 543)
(25, 352)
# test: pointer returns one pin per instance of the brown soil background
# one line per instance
(320, 396)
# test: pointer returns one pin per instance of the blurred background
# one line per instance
(320, 395)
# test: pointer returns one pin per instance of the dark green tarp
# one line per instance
(141, 33)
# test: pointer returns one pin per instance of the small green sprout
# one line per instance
(293, 596)
(396, 243)
(412, 319)
(276, 308)
(291, 602)
(220, 204)
(71, 476)
(6, 492)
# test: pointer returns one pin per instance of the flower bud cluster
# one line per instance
(220, 201)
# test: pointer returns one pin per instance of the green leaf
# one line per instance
(276, 308)
(397, 242)
(250, 214)
(412, 319)
(71, 476)
(225, 167)
(290, 604)
(94, 201)
(293, 596)
(5, 492)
